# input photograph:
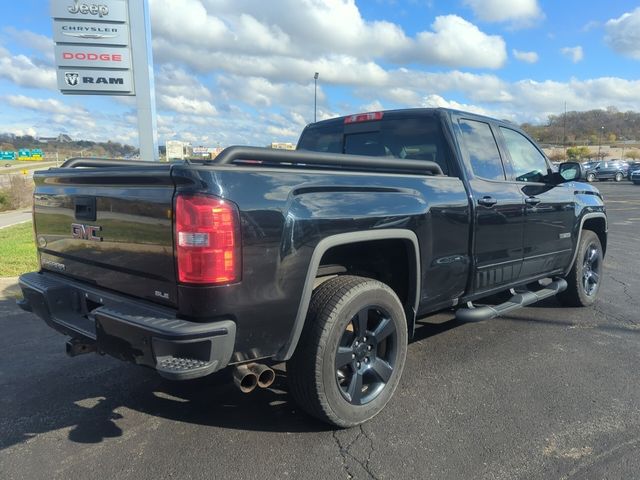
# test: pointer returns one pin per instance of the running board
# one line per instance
(519, 300)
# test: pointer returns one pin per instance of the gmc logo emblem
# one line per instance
(86, 232)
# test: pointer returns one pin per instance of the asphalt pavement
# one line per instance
(545, 393)
(14, 217)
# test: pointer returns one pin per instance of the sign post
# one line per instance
(144, 79)
(104, 48)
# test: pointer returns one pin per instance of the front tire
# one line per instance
(585, 278)
(618, 177)
(590, 177)
(351, 353)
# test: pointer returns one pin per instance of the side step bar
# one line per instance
(519, 300)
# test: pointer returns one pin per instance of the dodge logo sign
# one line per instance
(71, 78)
(103, 57)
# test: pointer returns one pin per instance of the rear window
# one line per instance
(407, 138)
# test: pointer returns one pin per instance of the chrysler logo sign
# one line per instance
(88, 9)
(89, 32)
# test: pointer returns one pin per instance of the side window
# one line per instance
(482, 148)
(529, 164)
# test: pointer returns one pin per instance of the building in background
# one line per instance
(282, 146)
(206, 152)
(177, 150)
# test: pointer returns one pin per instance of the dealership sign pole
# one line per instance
(104, 48)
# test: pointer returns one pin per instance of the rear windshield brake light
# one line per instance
(363, 117)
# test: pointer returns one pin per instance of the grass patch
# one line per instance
(17, 250)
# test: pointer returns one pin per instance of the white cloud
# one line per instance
(48, 105)
(521, 12)
(457, 42)
(623, 34)
(528, 57)
(299, 30)
(24, 72)
(576, 53)
(32, 40)
(374, 106)
(175, 81)
(435, 101)
(186, 105)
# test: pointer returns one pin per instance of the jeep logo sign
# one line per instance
(86, 232)
(89, 9)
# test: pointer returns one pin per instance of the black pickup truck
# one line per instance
(323, 257)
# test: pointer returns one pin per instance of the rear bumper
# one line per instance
(127, 329)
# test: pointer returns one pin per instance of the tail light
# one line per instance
(207, 240)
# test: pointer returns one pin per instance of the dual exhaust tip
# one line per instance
(249, 376)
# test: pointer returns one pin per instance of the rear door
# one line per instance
(549, 209)
(111, 227)
(498, 206)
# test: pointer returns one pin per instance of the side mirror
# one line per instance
(570, 171)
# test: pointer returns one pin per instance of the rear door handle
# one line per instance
(487, 201)
(532, 201)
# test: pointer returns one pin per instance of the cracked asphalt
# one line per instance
(547, 392)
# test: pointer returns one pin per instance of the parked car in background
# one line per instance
(635, 177)
(607, 170)
(633, 166)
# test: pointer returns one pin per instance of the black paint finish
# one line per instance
(467, 247)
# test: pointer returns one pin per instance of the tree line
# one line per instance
(592, 127)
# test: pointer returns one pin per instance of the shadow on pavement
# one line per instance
(96, 397)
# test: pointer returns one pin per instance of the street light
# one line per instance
(315, 96)
(600, 142)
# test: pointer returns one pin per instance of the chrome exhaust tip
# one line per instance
(245, 379)
(266, 375)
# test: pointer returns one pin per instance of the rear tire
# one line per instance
(351, 353)
(590, 177)
(585, 278)
(618, 177)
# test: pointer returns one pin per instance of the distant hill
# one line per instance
(66, 147)
(586, 128)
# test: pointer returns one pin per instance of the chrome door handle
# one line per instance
(487, 201)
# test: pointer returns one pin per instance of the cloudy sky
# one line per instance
(241, 71)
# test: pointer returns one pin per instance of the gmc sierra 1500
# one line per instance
(322, 257)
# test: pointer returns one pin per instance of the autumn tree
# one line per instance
(632, 154)
(578, 153)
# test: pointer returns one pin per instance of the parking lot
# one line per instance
(547, 392)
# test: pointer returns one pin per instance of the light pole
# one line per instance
(600, 142)
(315, 96)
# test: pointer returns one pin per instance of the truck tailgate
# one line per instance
(111, 227)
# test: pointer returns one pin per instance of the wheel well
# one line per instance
(391, 261)
(599, 227)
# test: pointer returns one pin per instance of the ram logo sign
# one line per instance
(86, 232)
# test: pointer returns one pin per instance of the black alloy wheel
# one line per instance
(366, 355)
(585, 277)
(351, 352)
(591, 269)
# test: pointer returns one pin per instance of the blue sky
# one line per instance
(241, 71)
